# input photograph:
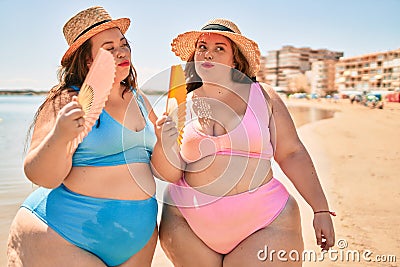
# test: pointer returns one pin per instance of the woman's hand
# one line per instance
(166, 131)
(166, 161)
(324, 232)
(46, 163)
(69, 121)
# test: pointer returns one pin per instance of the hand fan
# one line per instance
(176, 101)
(94, 92)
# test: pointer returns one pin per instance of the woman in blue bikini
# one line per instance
(95, 207)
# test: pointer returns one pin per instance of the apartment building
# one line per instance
(322, 77)
(286, 68)
(377, 71)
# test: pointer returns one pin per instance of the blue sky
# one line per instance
(32, 42)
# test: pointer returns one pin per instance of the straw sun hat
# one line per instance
(88, 23)
(184, 44)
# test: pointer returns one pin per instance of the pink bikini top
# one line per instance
(251, 138)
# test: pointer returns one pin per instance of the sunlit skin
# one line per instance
(228, 102)
(222, 175)
(48, 163)
(214, 58)
(117, 45)
(127, 113)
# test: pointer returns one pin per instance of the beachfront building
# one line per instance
(287, 67)
(370, 72)
(322, 77)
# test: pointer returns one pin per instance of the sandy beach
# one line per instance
(357, 155)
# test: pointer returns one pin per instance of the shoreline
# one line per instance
(41, 92)
(22, 92)
(356, 155)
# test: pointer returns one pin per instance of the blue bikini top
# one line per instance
(109, 143)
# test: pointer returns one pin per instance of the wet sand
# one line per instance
(357, 154)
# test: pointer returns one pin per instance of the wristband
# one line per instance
(322, 211)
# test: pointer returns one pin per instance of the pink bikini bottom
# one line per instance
(223, 222)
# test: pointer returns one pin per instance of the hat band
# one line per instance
(216, 27)
(91, 27)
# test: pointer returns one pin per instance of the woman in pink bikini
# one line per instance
(226, 205)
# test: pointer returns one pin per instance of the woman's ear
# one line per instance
(89, 62)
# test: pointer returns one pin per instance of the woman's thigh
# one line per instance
(263, 247)
(145, 256)
(180, 243)
(32, 243)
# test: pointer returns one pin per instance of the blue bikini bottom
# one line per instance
(113, 230)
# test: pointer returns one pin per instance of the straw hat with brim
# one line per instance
(88, 23)
(184, 44)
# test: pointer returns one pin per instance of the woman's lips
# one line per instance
(207, 65)
(124, 63)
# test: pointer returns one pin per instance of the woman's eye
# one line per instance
(109, 48)
(201, 47)
(220, 49)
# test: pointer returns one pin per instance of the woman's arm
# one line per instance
(166, 161)
(292, 156)
(48, 160)
(296, 163)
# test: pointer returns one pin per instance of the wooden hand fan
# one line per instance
(176, 101)
(94, 92)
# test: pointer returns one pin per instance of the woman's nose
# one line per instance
(120, 53)
(208, 55)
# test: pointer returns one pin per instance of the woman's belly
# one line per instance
(126, 182)
(228, 175)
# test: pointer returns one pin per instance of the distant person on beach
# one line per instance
(95, 207)
(226, 205)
